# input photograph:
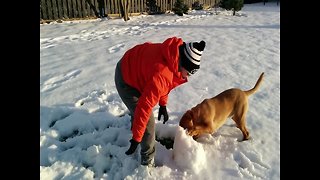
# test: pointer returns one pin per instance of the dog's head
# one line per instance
(186, 120)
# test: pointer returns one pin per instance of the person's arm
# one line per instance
(148, 99)
(163, 100)
(146, 102)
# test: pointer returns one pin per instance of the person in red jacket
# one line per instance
(144, 76)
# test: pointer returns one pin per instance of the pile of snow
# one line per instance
(185, 149)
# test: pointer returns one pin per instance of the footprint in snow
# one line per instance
(115, 48)
(57, 81)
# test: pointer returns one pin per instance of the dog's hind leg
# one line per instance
(243, 128)
(240, 120)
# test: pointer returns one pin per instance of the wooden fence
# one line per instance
(70, 9)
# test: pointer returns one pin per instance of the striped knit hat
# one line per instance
(190, 55)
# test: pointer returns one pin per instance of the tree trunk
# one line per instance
(234, 12)
(124, 5)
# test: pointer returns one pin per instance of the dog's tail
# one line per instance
(255, 88)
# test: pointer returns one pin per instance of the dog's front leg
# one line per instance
(193, 132)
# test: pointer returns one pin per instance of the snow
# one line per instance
(84, 128)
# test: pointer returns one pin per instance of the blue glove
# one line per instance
(163, 111)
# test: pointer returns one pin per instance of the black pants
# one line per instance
(130, 97)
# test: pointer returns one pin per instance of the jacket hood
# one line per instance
(170, 51)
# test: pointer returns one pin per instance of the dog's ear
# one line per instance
(190, 113)
(186, 120)
(189, 118)
(196, 114)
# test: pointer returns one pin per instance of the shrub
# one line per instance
(235, 5)
(197, 6)
(180, 8)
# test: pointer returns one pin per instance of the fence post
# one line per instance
(59, 8)
(65, 11)
(44, 9)
(84, 9)
(55, 9)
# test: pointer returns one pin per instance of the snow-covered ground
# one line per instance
(83, 134)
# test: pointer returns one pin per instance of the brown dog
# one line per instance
(211, 114)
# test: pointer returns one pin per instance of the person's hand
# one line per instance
(163, 111)
(133, 147)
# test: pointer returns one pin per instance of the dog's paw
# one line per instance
(249, 139)
(195, 134)
(191, 132)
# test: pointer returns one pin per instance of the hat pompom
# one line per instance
(200, 46)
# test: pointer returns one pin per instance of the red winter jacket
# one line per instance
(151, 68)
